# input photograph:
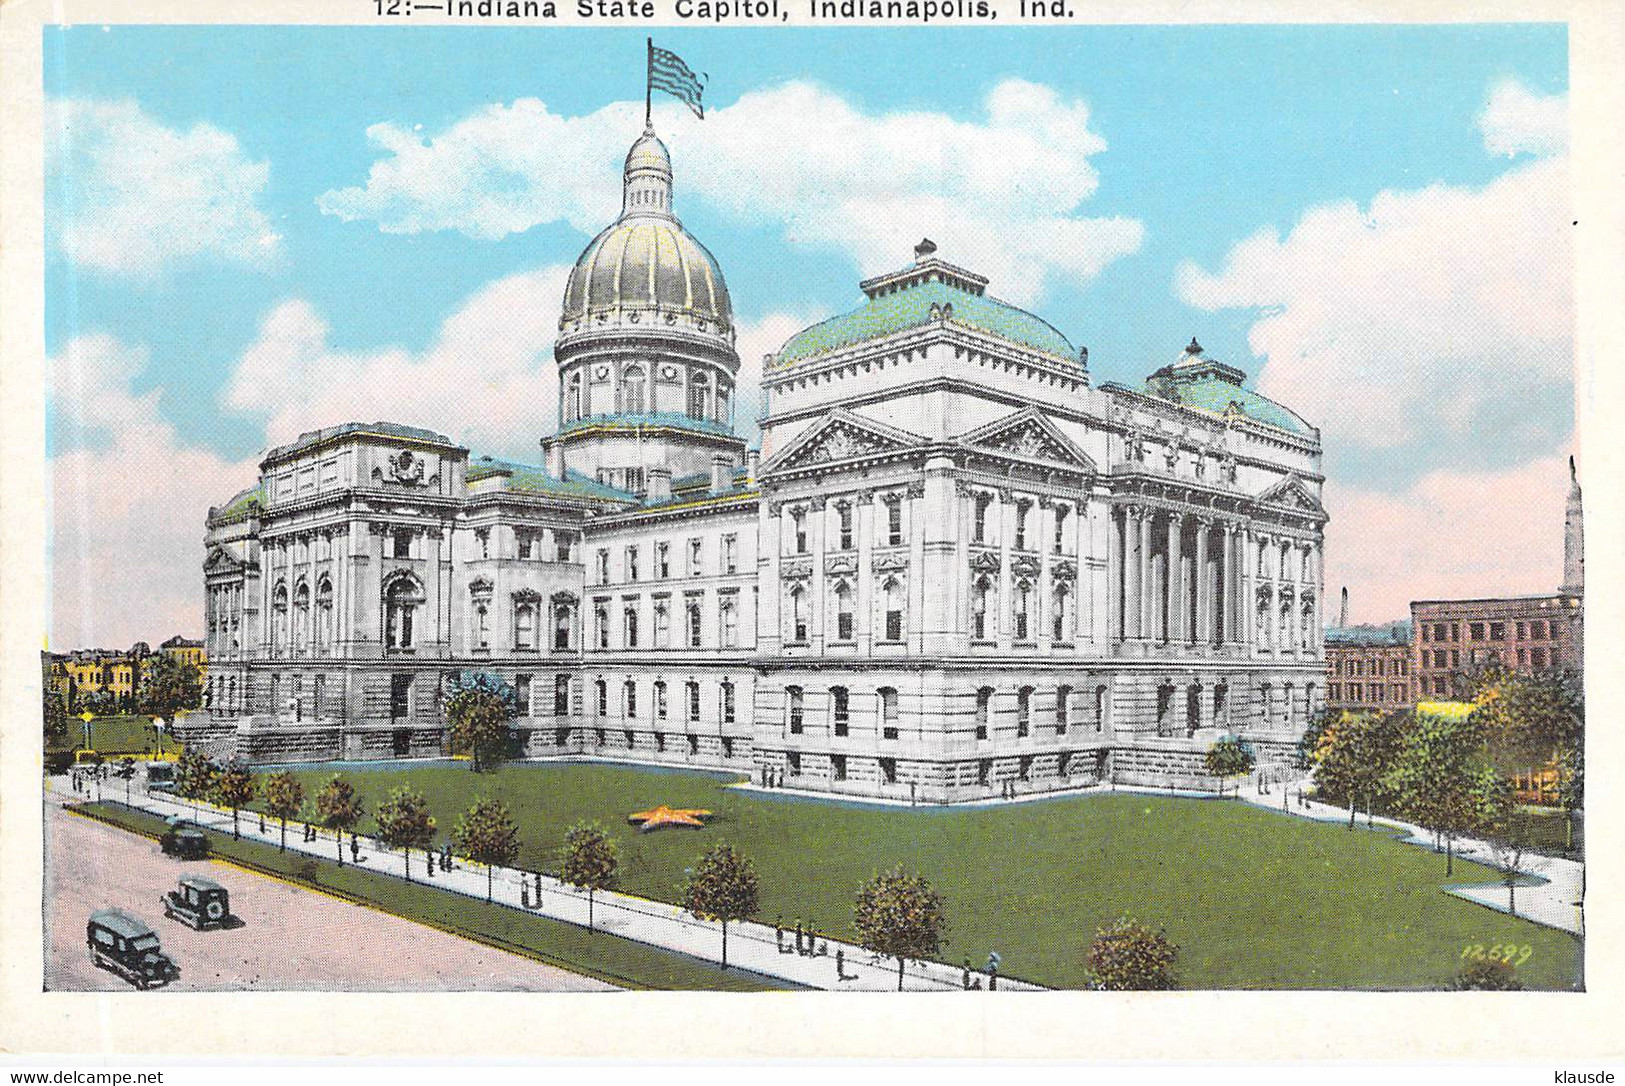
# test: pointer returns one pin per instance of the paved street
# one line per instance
(752, 946)
(292, 938)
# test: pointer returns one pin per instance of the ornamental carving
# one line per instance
(527, 595)
(891, 563)
(796, 571)
(1024, 566)
(481, 586)
(1028, 440)
(842, 442)
(984, 562)
(915, 490)
(1064, 570)
(840, 564)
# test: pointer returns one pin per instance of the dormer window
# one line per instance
(401, 543)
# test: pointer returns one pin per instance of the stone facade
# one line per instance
(960, 569)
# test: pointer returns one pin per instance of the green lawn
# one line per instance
(618, 961)
(120, 734)
(1254, 899)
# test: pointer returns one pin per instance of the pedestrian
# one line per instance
(965, 979)
(524, 895)
(840, 964)
(445, 856)
(428, 862)
(799, 936)
(262, 823)
(778, 932)
(355, 849)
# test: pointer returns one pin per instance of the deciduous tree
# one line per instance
(338, 809)
(1128, 956)
(900, 916)
(195, 774)
(478, 709)
(588, 861)
(284, 795)
(1433, 779)
(722, 886)
(1229, 757)
(235, 787)
(169, 686)
(486, 834)
(404, 822)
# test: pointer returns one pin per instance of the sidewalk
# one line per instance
(751, 946)
(1554, 901)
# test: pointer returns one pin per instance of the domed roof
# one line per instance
(647, 262)
(645, 268)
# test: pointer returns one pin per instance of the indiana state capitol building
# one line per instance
(958, 568)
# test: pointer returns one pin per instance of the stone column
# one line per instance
(817, 519)
(1045, 610)
(1174, 583)
(1247, 605)
(1131, 572)
(1203, 634)
(1147, 597)
(1227, 626)
(863, 616)
(914, 534)
(1004, 625)
(1114, 575)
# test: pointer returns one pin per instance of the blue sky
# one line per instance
(1383, 137)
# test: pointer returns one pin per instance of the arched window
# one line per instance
(524, 624)
(979, 517)
(840, 709)
(1100, 708)
(1061, 620)
(661, 705)
(798, 518)
(978, 608)
(893, 589)
(630, 693)
(1022, 602)
(482, 626)
(324, 611)
(694, 629)
(572, 408)
(795, 708)
(561, 695)
(887, 697)
(724, 397)
(601, 688)
(693, 702)
(564, 620)
(600, 618)
(727, 703)
(843, 612)
(728, 613)
(279, 619)
(1063, 709)
(632, 386)
(301, 614)
(699, 391)
(844, 511)
(401, 601)
(662, 625)
(798, 614)
(1024, 712)
(984, 709)
(630, 621)
(1022, 509)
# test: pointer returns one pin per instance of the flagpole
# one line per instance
(648, 86)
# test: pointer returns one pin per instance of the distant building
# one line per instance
(75, 675)
(1368, 667)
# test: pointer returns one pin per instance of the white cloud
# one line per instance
(128, 504)
(127, 195)
(1450, 535)
(1435, 324)
(487, 379)
(1000, 193)
(1519, 121)
(758, 338)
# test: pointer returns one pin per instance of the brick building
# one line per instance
(1368, 668)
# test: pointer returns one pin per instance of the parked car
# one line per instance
(184, 840)
(160, 777)
(199, 903)
(125, 945)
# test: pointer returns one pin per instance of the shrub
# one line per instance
(1127, 956)
(1487, 975)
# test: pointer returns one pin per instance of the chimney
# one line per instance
(753, 460)
(554, 450)
(1343, 612)
(722, 472)
(659, 484)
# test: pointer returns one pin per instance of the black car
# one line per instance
(124, 945)
(184, 841)
(199, 903)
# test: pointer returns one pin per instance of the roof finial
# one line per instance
(924, 249)
(1194, 348)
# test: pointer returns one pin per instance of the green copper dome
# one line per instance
(916, 297)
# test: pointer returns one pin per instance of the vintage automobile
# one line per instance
(199, 903)
(184, 840)
(122, 944)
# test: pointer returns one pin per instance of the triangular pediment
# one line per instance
(220, 560)
(1029, 435)
(1293, 493)
(841, 436)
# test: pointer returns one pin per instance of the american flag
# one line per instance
(668, 72)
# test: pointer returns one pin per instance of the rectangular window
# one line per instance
(631, 563)
(730, 554)
(662, 707)
(730, 624)
(1060, 527)
(727, 702)
(894, 521)
(561, 695)
(888, 770)
(662, 561)
(840, 711)
(837, 766)
(631, 621)
(693, 703)
(1475, 631)
(563, 542)
(603, 567)
(794, 695)
(894, 625)
(1498, 631)
(527, 543)
(521, 689)
(888, 713)
(696, 554)
(845, 512)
